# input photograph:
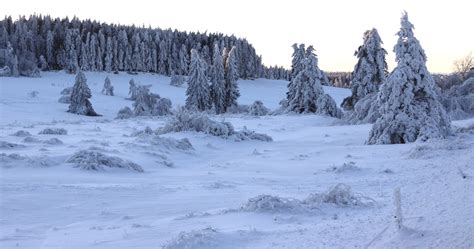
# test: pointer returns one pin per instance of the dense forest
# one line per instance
(36, 43)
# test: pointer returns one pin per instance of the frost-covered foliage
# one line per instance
(231, 76)
(459, 100)
(53, 131)
(93, 160)
(150, 104)
(218, 81)
(370, 70)
(202, 238)
(21, 133)
(409, 106)
(309, 96)
(108, 89)
(132, 89)
(185, 120)
(124, 113)
(340, 195)
(80, 95)
(177, 80)
(258, 109)
(198, 92)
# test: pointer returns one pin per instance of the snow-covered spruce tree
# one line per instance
(231, 76)
(144, 101)
(258, 109)
(198, 93)
(132, 90)
(71, 55)
(409, 106)
(296, 67)
(309, 95)
(370, 70)
(217, 77)
(108, 89)
(80, 97)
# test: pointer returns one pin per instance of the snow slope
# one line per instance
(197, 198)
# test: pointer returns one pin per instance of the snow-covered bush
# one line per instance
(124, 113)
(53, 131)
(365, 110)
(177, 80)
(132, 89)
(66, 91)
(340, 195)
(202, 238)
(21, 133)
(269, 203)
(162, 107)
(93, 160)
(185, 120)
(409, 105)
(459, 100)
(150, 104)
(108, 89)
(80, 95)
(65, 99)
(238, 109)
(51, 141)
(258, 109)
(147, 136)
(345, 167)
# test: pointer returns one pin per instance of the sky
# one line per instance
(333, 27)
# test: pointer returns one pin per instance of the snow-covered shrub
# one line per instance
(345, 167)
(339, 195)
(15, 160)
(132, 89)
(365, 110)
(258, 109)
(53, 131)
(66, 91)
(80, 95)
(467, 129)
(8, 145)
(177, 80)
(459, 100)
(162, 107)
(164, 142)
(185, 120)
(108, 89)
(409, 105)
(51, 141)
(202, 238)
(124, 113)
(21, 133)
(94, 160)
(65, 99)
(238, 109)
(33, 94)
(150, 104)
(436, 148)
(269, 203)
(246, 134)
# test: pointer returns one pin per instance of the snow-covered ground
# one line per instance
(199, 197)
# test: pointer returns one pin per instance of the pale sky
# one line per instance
(334, 27)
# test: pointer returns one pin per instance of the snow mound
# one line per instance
(93, 160)
(66, 91)
(166, 142)
(53, 131)
(124, 113)
(269, 203)
(185, 120)
(8, 145)
(21, 133)
(202, 238)
(14, 160)
(467, 129)
(65, 99)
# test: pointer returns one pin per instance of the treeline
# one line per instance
(43, 43)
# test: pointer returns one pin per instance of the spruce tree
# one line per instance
(198, 93)
(80, 97)
(217, 78)
(231, 77)
(296, 67)
(370, 70)
(309, 96)
(409, 106)
(108, 89)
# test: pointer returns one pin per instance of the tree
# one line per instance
(370, 70)
(71, 55)
(463, 66)
(296, 67)
(231, 77)
(197, 93)
(309, 96)
(108, 55)
(80, 96)
(50, 47)
(409, 106)
(217, 78)
(132, 89)
(108, 89)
